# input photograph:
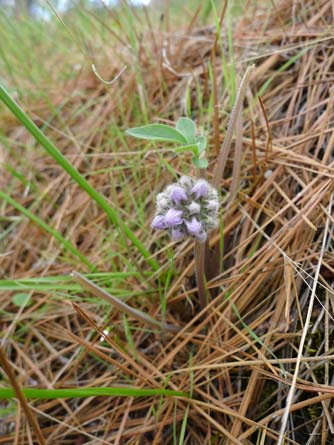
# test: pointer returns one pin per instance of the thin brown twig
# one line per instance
(20, 395)
(225, 148)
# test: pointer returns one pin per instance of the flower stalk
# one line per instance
(200, 273)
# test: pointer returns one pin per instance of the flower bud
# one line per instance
(173, 218)
(200, 189)
(159, 222)
(177, 234)
(178, 194)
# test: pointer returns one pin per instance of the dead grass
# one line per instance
(239, 355)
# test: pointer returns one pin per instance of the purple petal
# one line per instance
(200, 189)
(177, 235)
(194, 227)
(178, 194)
(173, 218)
(158, 222)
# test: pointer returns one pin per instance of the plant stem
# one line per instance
(65, 393)
(200, 273)
(199, 254)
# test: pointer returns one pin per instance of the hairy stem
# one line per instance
(200, 273)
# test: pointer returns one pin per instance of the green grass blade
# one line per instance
(38, 393)
(62, 282)
(67, 244)
(75, 175)
(184, 426)
(186, 413)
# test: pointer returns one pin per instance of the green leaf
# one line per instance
(188, 128)
(202, 143)
(158, 132)
(200, 163)
(21, 300)
(121, 391)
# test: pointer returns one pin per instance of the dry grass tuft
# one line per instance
(239, 355)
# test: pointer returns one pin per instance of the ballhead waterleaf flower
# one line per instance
(178, 194)
(200, 188)
(173, 218)
(159, 222)
(187, 208)
(194, 227)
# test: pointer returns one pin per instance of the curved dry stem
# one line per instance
(121, 305)
(225, 148)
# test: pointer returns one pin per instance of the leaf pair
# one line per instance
(183, 133)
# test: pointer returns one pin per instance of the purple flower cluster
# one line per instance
(188, 207)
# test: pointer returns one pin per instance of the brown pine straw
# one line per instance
(20, 395)
(305, 329)
(239, 355)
